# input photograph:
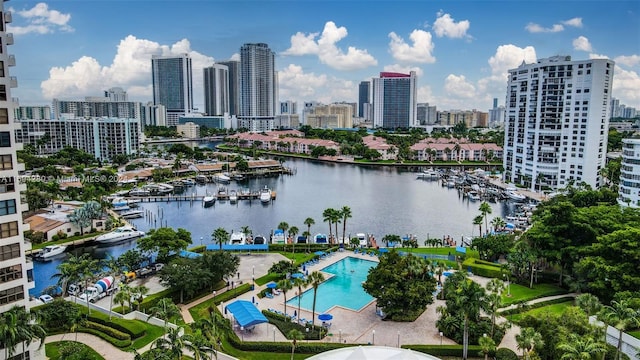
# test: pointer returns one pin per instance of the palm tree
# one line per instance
(123, 295)
(27, 329)
(293, 231)
(199, 345)
(485, 209)
(345, 212)
(246, 230)
(137, 293)
(487, 345)
(299, 283)
(581, 348)
(285, 285)
(470, 298)
(294, 335)
(307, 235)
(478, 221)
(326, 217)
(494, 302)
(528, 339)
(622, 317)
(335, 218)
(315, 279)
(114, 270)
(9, 335)
(220, 236)
(87, 269)
(68, 273)
(172, 342)
(164, 309)
(498, 223)
(590, 304)
(309, 221)
(284, 227)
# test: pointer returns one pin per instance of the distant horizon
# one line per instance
(460, 50)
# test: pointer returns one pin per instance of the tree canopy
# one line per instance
(164, 241)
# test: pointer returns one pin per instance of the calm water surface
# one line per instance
(383, 200)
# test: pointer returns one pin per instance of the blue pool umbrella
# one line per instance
(297, 275)
(325, 317)
(319, 253)
(295, 312)
(383, 250)
(272, 285)
(253, 299)
(447, 273)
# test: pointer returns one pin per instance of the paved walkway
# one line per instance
(105, 349)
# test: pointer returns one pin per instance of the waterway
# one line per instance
(383, 200)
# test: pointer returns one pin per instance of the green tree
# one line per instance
(527, 340)
(581, 348)
(220, 236)
(293, 231)
(328, 218)
(285, 285)
(485, 209)
(185, 275)
(68, 273)
(295, 335)
(315, 279)
(487, 346)
(478, 221)
(122, 296)
(309, 221)
(345, 213)
(588, 303)
(166, 310)
(300, 283)
(113, 269)
(172, 343)
(80, 218)
(164, 241)
(622, 317)
(470, 297)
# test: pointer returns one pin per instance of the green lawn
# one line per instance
(635, 334)
(556, 309)
(152, 332)
(298, 257)
(439, 251)
(523, 293)
(52, 350)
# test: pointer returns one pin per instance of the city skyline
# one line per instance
(461, 50)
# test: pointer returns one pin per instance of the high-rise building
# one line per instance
(288, 107)
(216, 89)
(94, 106)
(394, 100)
(234, 85)
(154, 115)
(557, 122)
(363, 96)
(33, 113)
(329, 116)
(116, 94)
(629, 190)
(172, 78)
(17, 272)
(496, 115)
(258, 87)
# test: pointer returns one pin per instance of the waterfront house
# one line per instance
(54, 219)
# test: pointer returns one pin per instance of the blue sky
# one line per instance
(461, 50)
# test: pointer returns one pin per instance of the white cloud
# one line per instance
(632, 60)
(425, 94)
(419, 52)
(327, 51)
(295, 84)
(459, 86)
(235, 57)
(403, 69)
(129, 69)
(625, 87)
(445, 25)
(581, 43)
(575, 22)
(535, 28)
(510, 56)
(598, 56)
(41, 20)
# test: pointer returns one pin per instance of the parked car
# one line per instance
(45, 298)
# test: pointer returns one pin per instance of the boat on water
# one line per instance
(265, 195)
(221, 178)
(473, 195)
(120, 234)
(50, 251)
(259, 240)
(222, 192)
(132, 214)
(515, 196)
(238, 177)
(233, 196)
(202, 179)
(428, 174)
(188, 182)
(158, 188)
(238, 238)
(278, 237)
(120, 201)
(320, 239)
(208, 200)
(139, 192)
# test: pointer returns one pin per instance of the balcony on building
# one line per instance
(11, 60)
(8, 18)
(9, 38)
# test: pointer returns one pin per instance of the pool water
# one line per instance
(343, 289)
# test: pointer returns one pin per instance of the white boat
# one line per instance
(188, 182)
(233, 196)
(278, 237)
(201, 179)
(362, 239)
(159, 188)
(51, 251)
(208, 200)
(132, 214)
(238, 238)
(120, 234)
(473, 196)
(222, 192)
(222, 178)
(121, 208)
(320, 239)
(515, 196)
(265, 195)
(139, 192)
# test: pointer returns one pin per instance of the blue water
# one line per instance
(343, 289)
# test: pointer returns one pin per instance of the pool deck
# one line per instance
(356, 327)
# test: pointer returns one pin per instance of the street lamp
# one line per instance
(398, 338)
(201, 238)
(307, 334)
(508, 284)
(441, 334)
(254, 270)
(242, 332)
(274, 334)
(373, 337)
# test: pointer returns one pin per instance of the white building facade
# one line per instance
(557, 121)
(629, 189)
(258, 87)
(216, 89)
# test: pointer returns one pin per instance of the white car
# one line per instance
(46, 298)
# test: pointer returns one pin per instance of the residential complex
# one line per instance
(188, 130)
(16, 270)
(172, 78)
(330, 116)
(32, 112)
(102, 137)
(233, 66)
(629, 192)
(216, 89)
(557, 122)
(258, 87)
(93, 106)
(394, 100)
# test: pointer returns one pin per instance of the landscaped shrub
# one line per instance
(116, 334)
(506, 354)
(518, 310)
(230, 294)
(443, 350)
(134, 328)
(268, 278)
(283, 347)
(482, 268)
(113, 341)
(285, 325)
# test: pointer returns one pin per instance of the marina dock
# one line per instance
(254, 195)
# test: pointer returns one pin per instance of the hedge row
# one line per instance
(268, 278)
(518, 310)
(133, 328)
(111, 340)
(108, 330)
(285, 325)
(230, 294)
(478, 268)
(283, 347)
(444, 350)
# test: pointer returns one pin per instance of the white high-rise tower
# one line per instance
(258, 87)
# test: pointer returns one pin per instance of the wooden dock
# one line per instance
(254, 195)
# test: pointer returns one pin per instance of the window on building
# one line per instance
(3, 93)
(8, 252)
(11, 295)
(24, 356)
(1, 68)
(5, 162)
(8, 229)
(4, 116)
(7, 207)
(10, 273)
(7, 184)
(5, 139)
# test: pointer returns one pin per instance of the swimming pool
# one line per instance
(343, 289)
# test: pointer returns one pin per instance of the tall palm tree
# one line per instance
(123, 295)
(307, 235)
(487, 345)
(87, 269)
(327, 217)
(299, 283)
(137, 293)
(622, 317)
(172, 342)
(589, 303)
(27, 329)
(527, 340)
(199, 345)
(68, 273)
(336, 219)
(220, 236)
(166, 310)
(246, 230)
(345, 212)
(9, 335)
(485, 209)
(478, 221)
(471, 298)
(309, 221)
(293, 231)
(285, 285)
(498, 223)
(581, 348)
(284, 226)
(494, 302)
(294, 335)
(315, 279)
